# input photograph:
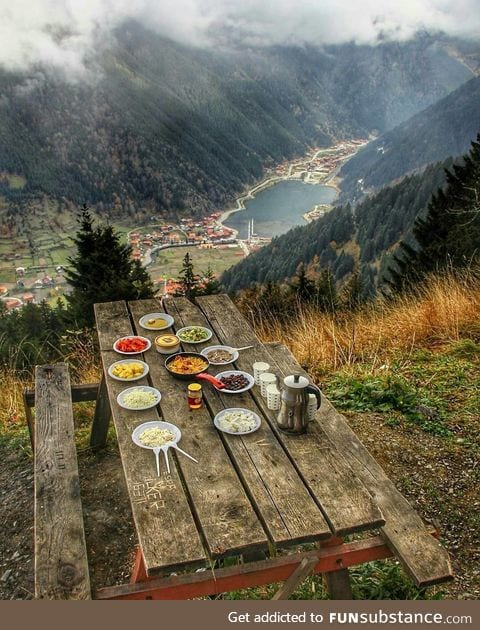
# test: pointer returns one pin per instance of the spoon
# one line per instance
(244, 348)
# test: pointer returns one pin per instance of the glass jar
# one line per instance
(194, 395)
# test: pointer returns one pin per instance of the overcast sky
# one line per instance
(63, 33)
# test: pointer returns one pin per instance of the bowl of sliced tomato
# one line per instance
(133, 344)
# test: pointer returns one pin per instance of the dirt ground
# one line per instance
(439, 478)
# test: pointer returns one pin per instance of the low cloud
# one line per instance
(68, 33)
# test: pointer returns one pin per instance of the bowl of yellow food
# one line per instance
(128, 370)
(156, 321)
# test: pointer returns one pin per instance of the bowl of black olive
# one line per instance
(235, 381)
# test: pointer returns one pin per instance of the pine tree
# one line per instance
(325, 291)
(188, 279)
(352, 291)
(101, 271)
(302, 286)
(449, 234)
(211, 286)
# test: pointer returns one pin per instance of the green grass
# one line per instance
(16, 182)
(437, 390)
(169, 261)
(373, 580)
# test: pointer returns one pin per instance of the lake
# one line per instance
(277, 209)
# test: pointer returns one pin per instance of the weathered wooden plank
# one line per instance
(85, 392)
(101, 418)
(228, 522)
(304, 569)
(61, 564)
(164, 522)
(279, 495)
(422, 556)
(344, 500)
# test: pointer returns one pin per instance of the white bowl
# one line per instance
(155, 424)
(168, 319)
(251, 381)
(147, 347)
(232, 351)
(221, 414)
(128, 380)
(207, 330)
(145, 388)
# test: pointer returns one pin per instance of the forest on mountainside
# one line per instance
(164, 129)
(346, 238)
(443, 129)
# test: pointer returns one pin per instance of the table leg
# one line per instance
(337, 582)
(101, 419)
(139, 573)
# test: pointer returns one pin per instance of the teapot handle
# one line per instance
(313, 389)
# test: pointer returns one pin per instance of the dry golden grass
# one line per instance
(80, 356)
(445, 309)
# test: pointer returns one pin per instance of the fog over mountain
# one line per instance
(65, 33)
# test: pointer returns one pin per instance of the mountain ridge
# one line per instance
(169, 129)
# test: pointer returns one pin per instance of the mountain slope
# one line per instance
(168, 129)
(443, 129)
(343, 239)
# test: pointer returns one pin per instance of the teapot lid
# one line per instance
(297, 381)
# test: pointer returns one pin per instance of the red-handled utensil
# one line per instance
(211, 379)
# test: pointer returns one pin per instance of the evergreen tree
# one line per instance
(325, 291)
(211, 286)
(188, 278)
(101, 271)
(302, 286)
(352, 291)
(449, 234)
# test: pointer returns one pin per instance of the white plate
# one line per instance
(145, 388)
(207, 330)
(232, 351)
(128, 380)
(155, 424)
(148, 346)
(251, 381)
(143, 321)
(220, 415)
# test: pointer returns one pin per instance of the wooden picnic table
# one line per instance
(257, 495)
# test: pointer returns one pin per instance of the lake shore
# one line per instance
(309, 170)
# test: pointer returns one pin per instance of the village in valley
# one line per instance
(160, 248)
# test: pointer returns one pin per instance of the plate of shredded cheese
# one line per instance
(156, 433)
(139, 398)
(237, 421)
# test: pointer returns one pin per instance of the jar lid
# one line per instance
(194, 387)
(167, 341)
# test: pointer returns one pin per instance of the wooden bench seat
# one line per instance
(61, 565)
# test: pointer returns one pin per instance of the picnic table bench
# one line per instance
(255, 496)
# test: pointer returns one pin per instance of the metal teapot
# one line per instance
(293, 414)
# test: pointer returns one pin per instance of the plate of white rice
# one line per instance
(139, 398)
(237, 421)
